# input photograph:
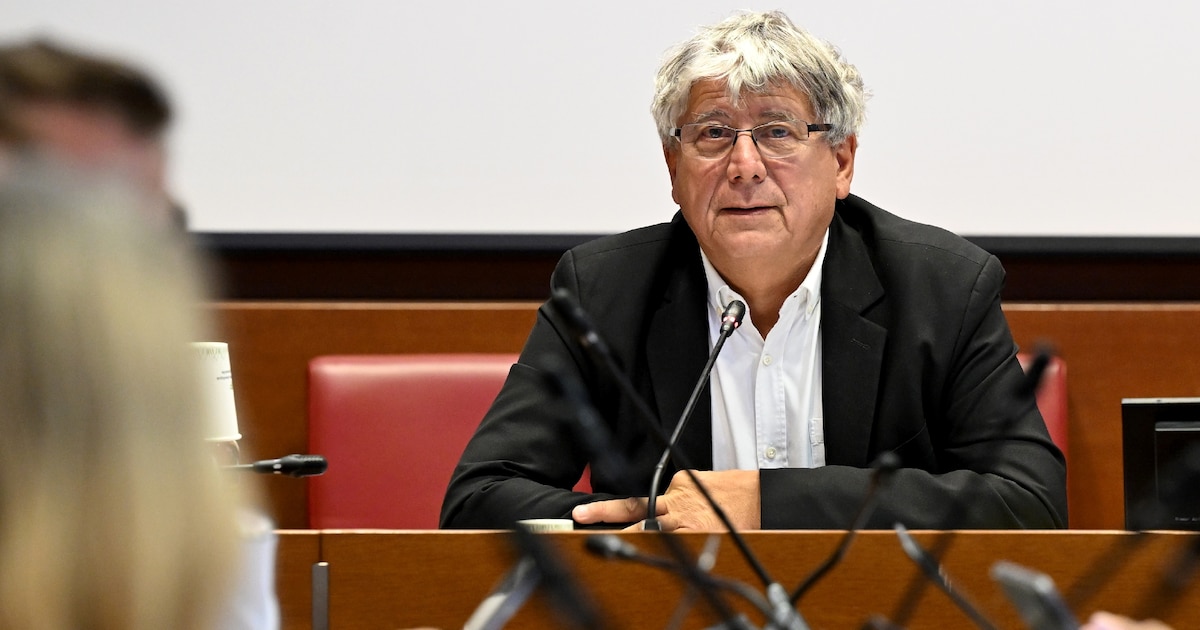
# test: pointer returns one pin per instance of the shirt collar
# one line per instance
(720, 294)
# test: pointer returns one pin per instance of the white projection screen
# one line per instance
(1016, 118)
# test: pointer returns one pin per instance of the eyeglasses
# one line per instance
(775, 139)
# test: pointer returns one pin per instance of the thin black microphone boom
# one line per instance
(883, 467)
(588, 425)
(613, 546)
(730, 320)
(934, 571)
(290, 465)
(581, 327)
(585, 332)
(926, 559)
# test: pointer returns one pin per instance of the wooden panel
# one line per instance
(271, 343)
(407, 579)
(382, 267)
(298, 551)
(1112, 351)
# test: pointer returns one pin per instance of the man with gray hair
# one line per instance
(865, 333)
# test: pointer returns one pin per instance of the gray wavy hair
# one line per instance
(752, 51)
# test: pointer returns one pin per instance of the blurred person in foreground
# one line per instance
(93, 113)
(865, 333)
(112, 511)
(104, 121)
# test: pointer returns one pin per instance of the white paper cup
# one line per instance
(216, 391)
(548, 524)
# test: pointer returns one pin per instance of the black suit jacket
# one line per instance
(917, 359)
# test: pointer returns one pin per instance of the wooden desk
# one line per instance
(390, 579)
(298, 551)
(1113, 351)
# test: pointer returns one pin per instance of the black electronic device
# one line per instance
(1161, 451)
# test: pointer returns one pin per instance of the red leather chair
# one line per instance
(1052, 398)
(393, 427)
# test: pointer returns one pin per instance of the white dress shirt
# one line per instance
(766, 393)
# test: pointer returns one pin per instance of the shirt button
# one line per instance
(767, 359)
(770, 452)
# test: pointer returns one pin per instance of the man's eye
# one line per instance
(713, 132)
(778, 131)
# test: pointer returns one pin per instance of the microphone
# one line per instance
(588, 423)
(566, 595)
(1036, 370)
(937, 574)
(611, 546)
(731, 318)
(537, 566)
(580, 325)
(885, 464)
(290, 465)
(925, 560)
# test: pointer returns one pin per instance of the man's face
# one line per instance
(744, 206)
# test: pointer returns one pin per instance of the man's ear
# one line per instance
(844, 155)
(672, 158)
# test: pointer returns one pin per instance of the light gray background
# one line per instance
(1047, 117)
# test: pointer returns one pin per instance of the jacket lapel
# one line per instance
(677, 347)
(851, 346)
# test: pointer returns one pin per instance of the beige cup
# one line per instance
(216, 390)
(548, 524)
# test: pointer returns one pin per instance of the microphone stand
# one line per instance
(590, 427)
(887, 463)
(536, 565)
(612, 546)
(577, 320)
(730, 320)
(934, 571)
(924, 559)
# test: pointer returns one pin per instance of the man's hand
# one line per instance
(682, 507)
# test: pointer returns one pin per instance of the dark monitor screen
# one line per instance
(1161, 449)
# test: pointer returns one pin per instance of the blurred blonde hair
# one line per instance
(112, 513)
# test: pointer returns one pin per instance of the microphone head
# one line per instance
(1036, 370)
(885, 464)
(302, 465)
(732, 317)
(578, 322)
(567, 307)
(609, 546)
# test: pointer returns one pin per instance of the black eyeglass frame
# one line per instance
(677, 132)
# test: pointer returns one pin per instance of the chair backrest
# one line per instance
(393, 427)
(1052, 398)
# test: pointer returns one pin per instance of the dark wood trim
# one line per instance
(517, 267)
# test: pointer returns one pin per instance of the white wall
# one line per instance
(1022, 117)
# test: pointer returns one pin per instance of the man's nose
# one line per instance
(745, 162)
